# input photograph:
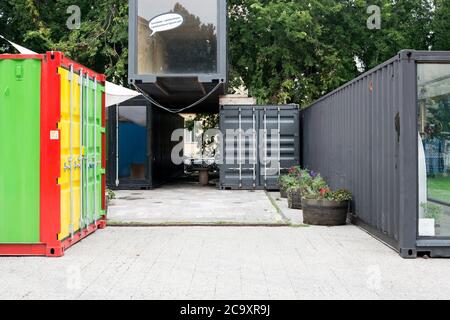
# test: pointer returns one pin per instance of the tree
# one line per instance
(441, 26)
(284, 51)
(296, 51)
(101, 43)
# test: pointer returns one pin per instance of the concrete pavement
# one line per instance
(193, 204)
(226, 263)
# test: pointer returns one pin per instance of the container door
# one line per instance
(131, 145)
(240, 163)
(98, 170)
(92, 131)
(270, 125)
(20, 82)
(434, 150)
(70, 180)
(280, 143)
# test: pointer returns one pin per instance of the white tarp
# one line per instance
(117, 94)
(114, 94)
(21, 49)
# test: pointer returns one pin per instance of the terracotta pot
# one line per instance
(325, 213)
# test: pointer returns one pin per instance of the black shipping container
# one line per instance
(178, 51)
(385, 137)
(140, 146)
(259, 143)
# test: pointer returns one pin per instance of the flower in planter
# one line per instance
(324, 191)
(342, 195)
(295, 171)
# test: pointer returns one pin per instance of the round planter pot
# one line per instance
(325, 213)
(294, 200)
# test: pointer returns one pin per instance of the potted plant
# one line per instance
(288, 181)
(283, 182)
(305, 178)
(435, 212)
(324, 207)
(294, 197)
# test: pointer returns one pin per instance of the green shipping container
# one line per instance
(52, 156)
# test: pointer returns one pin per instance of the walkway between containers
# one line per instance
(187, 203)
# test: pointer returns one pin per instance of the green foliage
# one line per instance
(101, 43)
(296, 51)
(342, 195)
(286, 182)
(284, 51)
(312, 185)
(433, 211)
(110, 195)
(209, 121)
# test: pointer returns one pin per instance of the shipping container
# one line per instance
(52, 155)
(178, 51)
(385, 136)
(259, 143)
(140, 145)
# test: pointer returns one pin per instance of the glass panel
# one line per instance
(188, 46)
(434, 149)
(133, 142)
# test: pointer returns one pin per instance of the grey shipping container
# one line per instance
(382, 136)
(178, 51)
(259, 143)
(139, 145)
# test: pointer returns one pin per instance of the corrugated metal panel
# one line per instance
(350, 138)
(268, 144)
(363, 137)
(70, 180)
(92, 143)
(72, 166)
(19, 150)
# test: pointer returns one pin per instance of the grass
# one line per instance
(439, 188)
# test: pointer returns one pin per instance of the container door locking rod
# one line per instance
(240, 147)
(71, 227)
(86, 161)
(117, 145)
(95, 150)
(279, 142)
(80, 82)
(254, 147)
(265, 147)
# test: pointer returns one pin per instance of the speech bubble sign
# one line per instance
(165, 22)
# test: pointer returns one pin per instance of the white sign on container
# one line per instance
(165, 22)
